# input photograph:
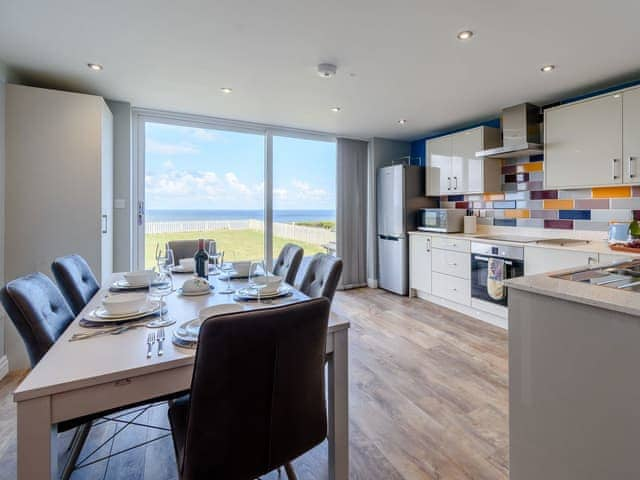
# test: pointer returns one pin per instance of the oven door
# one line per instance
(480, 273)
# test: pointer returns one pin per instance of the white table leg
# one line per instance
(37, 457)
(338, 365)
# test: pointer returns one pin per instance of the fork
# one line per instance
(151, 339)
(160, 340)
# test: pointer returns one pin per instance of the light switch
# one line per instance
(119, 203)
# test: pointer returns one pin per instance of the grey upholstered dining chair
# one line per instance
(76, 280)
(257, 397)
(288, 262)
(321, 276)
(185, 248)
(41, 314)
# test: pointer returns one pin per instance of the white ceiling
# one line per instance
(396, 59)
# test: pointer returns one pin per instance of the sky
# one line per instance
(195, 168)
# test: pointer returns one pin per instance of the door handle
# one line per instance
(105, 224)
(631, 174)
(140, 213)
(614, 163)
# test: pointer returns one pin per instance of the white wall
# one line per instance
(3, 79)
(122, 187)
(382, 152)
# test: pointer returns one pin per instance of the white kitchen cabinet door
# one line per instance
(583, 143)
(439, 154)
(452, 288)
(420, 263)
(468, 171)
(542, 260)
(609, 258)
(457, 264)
(631, 135)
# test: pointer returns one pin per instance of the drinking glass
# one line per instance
(227, 267)
(162, 286)
(257, 277)
(213, 258)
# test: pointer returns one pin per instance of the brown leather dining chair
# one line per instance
(185, 248)
(288, 262)
(76, 280)
(257, 397)
(322, 276)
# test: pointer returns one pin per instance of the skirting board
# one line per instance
(372, 283)
(467, 310)
(4, 366)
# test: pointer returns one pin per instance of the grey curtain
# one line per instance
(351, 235)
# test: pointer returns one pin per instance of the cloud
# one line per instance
(306, 192)
(281, 193)
(199, 185)
(170, 148)
(237, 185)
(205, 134)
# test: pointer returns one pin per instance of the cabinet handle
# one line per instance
(456, 184)
(631, 174)
(428, 244)
(613, 169)
(448, 183)
(453, 264)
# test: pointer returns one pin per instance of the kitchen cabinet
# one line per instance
(457, 264)
(452, 288)
(420, 263)
(594, 142)
(631, 135)
(452, 166)
(448, 243)
(541, 260)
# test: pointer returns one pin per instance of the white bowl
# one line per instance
(188, 264)
(241, 268)
(195, 285)
(272, 283)
(123, 303)
(142, 277)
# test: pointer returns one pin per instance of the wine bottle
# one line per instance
(202, 260)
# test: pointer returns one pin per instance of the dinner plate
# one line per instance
(252, 294)
(104, 316)
(224, 276)
(124, 285)
(181, 269)
(186, 335)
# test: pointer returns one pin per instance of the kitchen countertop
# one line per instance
(594, 245)
(598, 296)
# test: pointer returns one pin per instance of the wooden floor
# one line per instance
(428, 400)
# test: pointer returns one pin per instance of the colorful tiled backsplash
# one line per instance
(524, 203)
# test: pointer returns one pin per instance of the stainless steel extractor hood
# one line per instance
(520, 133)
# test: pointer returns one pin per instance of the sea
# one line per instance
(281, 216)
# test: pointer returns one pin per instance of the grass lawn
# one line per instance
(236, 244)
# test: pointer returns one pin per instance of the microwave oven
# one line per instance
(446, 220)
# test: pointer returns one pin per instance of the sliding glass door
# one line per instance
(204, 183)
(304, 194)
(250, 189)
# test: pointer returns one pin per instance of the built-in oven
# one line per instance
(490, 266)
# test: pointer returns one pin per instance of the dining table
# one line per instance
(77, 379)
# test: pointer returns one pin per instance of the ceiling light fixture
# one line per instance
(327, 70)
(335, 109)
(226, 90)
(402, 121)
(465, 35)
(548, 68)
(95, 66)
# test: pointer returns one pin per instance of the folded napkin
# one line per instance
(495, 279)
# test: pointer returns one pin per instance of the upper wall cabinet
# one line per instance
(452, 166)
(594, 142)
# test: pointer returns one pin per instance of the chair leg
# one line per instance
(76, 447)
(291, 473)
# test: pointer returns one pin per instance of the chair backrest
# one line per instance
(257, 393)
(76, 280)
(288, 262)
(185, 248)
(322, 276)
(38, 310)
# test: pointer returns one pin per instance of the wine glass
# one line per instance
(228, 268)
(162, 286)
(213, 257)
(257, 277)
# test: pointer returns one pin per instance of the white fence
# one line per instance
(290, 231)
